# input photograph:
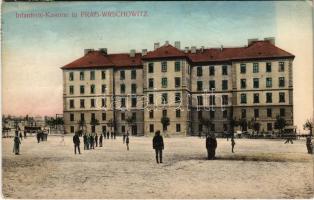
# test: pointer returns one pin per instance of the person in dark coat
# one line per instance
(124, 136)
(92, 142)
(38, 137)
(107, 134)
(158, 145)
(100, 140)
(127, 141)
(211, 145)
(85, 141)
(104, 133)
(76, 141)
(96, 140)
(17, 142)
(309, 145)
(232, 144)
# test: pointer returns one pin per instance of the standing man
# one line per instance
(232, 144)
(208, 147)
(107, 134)
(309, 145)
(124, 137)
(158, 145)
(100, 140)
(76, 141)
(85, 141)
(96, 140)
(17, 142)
(127, 141)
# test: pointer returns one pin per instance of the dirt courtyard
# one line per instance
(257, 169)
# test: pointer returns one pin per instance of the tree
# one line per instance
(207, 123)
(165, 121)
(308, 126)
(280, 124)
(130, 121)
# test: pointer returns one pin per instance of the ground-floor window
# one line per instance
(212, 128)
(151, 128)
(200, 128)
(104, 129)
(72, 129)
(93, 129)
(225, 127)
(269, 126)
(178, 127)
(122, 129)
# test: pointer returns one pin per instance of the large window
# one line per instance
(122, 88)
(178, 113)
(243, 83)
(103, 88)
(256, 98)
(243, 68)
(92, 89)
(151, 128)
(103, 75)
(225, 114)
(151, 99)
(224, 99)
(255, 68)
(82, 103)
(133, 74)
(150, 67)
(243, 113)
(212, 84)
(103, 116)
(122, 75)
(281, 81)
(178, 127)
(133, 101)
(269, 112)
(71, 76)
(256, 113)
(151, 83)
(200, 100)
(269, 82)
(92, 103)
(151, 114)
(281, 97)
(82, 89)
(164, 66)
(71, 103)
(177, 81)
(71, 117)
(92, 75)
(123, 102)
(164, 98)
(243, 98)
(177, 97)
(212, 70)
(255, 83)
(212, 114)
(224, 84)
(199, 71)
(81, 76)
(177, 66)
(164, 82)
(268, 67)
(269, 97)
(71, 89)
(133, 88)
(282, 112)
(281, 66)
(224, 70)
(212, 100)
(199, 85)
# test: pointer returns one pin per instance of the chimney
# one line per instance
(186, 50)
(103, 50)
(144, 52)
(167, 43)
(221, 47)
(270, 39)
(86, 51)
(250, 41)
(193, 49)
(156, 45)
(202, 49)
(132, 53)
(177, 44)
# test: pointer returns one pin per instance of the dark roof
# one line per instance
(256, 50)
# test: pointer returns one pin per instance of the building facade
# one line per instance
(131, 92)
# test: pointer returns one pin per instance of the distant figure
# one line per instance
(124, 136)
(127, 141)
(104, 133)
(211, 145)
(38, 137)
(88, 142)
(96, 140)
(17, 142)
(309, 145)
(158, 145)
(100, 140)
(111, 134)
(232, 144)
(85, 142)
(114, 135)
(107, 134)
(289, 139)
(92, 142)
(76, 141)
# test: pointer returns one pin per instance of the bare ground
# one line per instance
(258, 169)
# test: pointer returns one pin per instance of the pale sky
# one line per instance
(33, 50)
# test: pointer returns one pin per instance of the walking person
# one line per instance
(96, 140)
(158, 145)
(92, 144)
(211, 145)
(124, 136)
(87, 142)
(232, 144)
(127, 141)
(108, 135)
(76, 141)
(17, 142)
(100, 140)
(309, 145)
(38, 137)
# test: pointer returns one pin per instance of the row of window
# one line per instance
(103, 116)
(164, 98)
(281, 67)
(164, 82)
(103, 103)
(212, 100)
(224, 71)
(152, 128)
(103, 75)
(212, 85)
(269, 111)
(103, 89)
(269, 82)
(269, 98)
(164, 67)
